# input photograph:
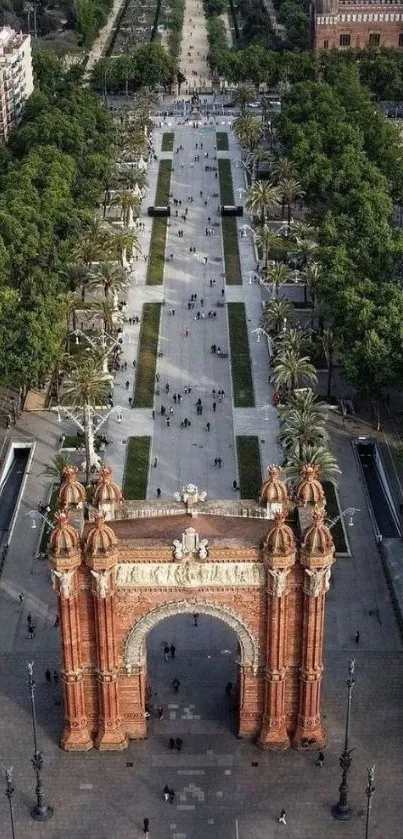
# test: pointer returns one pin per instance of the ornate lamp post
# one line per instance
(9, 794)
(41, 812)
(342, 809)
(369, 793)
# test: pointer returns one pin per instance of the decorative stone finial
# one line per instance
(64, 539)
(309, 489)
(317, 540)
(273, 490)
(280, 539)
(71, 492)
(106, 491)
(100, 539)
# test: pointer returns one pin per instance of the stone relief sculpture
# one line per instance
(190, 574)
(279, 581)
(65, 582)
(190, 544)
(102, 581)
(315, 580)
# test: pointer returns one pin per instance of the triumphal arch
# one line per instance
(263, 567)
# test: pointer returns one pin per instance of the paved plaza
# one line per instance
(224, 787)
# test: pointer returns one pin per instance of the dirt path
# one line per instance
(194, 48)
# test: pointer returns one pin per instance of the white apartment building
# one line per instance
(16, 81)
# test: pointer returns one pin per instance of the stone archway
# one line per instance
(135, 646)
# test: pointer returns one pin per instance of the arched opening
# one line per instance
(206, 648)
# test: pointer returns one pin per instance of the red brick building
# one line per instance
(263, 568)
(345, 24)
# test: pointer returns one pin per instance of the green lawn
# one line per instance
(156, 256)
(232, 264)
(222, 140)
(163, 183)
(143, 395)
(250, 473)
(168, 139)
(136, 468)
(240, 357)
(225, 176)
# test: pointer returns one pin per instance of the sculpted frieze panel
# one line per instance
(190, 574)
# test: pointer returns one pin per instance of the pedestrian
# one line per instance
(48, 677)
(167, 388)
(234, 485)
(130, 402)
(168, 422)
(228, 688)
(155, 462)
(282, 817)
(146, 823)
(320, 759)
(127, 385)
(219, 461)
(55, 677)
(179, 742)
(166, 652)
(222, 292)
(31, 631)
(57, 621)
(134, 362)
(21, 597)
(207, 426)
(171, 742)
(357, 637)
(176, 684)
(171, 795)
(172, 650)
(160, 712)
(196, 619)
(166, 792)
(214, 406)
(29, 620)
(158, 492)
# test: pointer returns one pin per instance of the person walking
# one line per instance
(171, 743)
(55, 677)
(21, 597)
(228, 688)
(282, 820)
(57, 621)
(160, 712)
(320, 759)
(171, 795)
(48, 677)
(235, 485)
(172, 650)
(166, 792)
(214, 406)
(196, 619)
(158, 492)
(179, 742)
(155, 462)
(176, 684)
(207, 426)
(357, 637)
(127, 385)
(146, 823)
(166, 652)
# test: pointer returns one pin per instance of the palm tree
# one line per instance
(318, 456)
(132, 176)
(293, 340)
(275, 315)
(248, 130)
(277, 275)
(74, 275)
(266, 241)
(304, 401)
(73, 305)
(311, 275)
(106, 311)
(56, 466)
(289, 368)
(244, 93)
(87, 389)
(258, 155)
(111, 278)
(263, 198)
(283, 168)
(302, 230)
(302, 430)
(124, 242)
(290, 190)
(306, 251)
(328, 341)
(129, 204)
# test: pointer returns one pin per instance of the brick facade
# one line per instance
(356, 25)
(115, 580)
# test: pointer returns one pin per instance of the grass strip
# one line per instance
(143, 394)
(168, 139)
(156, 255)
(222, 141)
(249, 466)
(233, 275)
(163, 183)
(136, 468)
(226, 187)
(240, 358)
(332, 511)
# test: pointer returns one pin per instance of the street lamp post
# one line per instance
(41, 812)
(342, 810)
(369, 793)
(9, 794)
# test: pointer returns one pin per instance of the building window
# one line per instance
(400, 39)
(345, 40)
(326, 45)
(374, 39)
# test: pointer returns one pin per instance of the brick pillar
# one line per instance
(309, 725)
(65, 558)
(279, 558)
(110, 734)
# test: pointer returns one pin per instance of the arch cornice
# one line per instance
(135, 643)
